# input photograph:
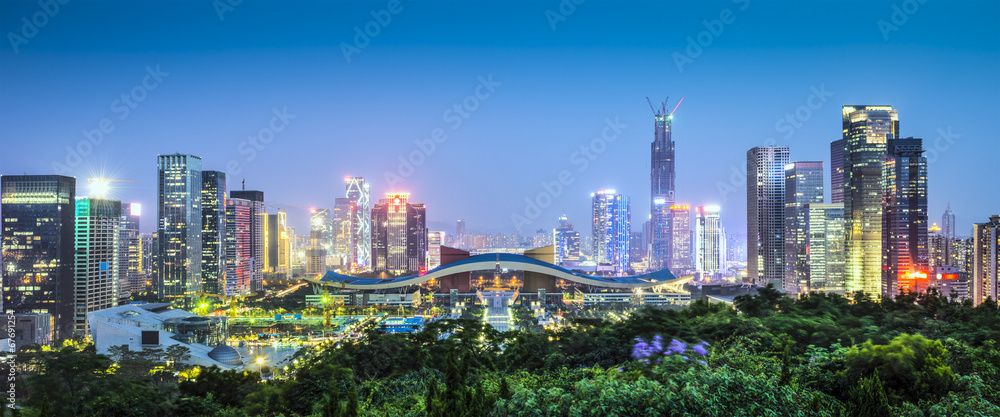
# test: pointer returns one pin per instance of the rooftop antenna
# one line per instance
(244, 184)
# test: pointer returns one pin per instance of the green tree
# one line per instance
(911, 367)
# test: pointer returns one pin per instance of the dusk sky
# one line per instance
(558, 77)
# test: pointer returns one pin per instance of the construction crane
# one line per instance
(102, 184)
(675, 107)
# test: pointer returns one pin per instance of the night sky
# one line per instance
(558, 79)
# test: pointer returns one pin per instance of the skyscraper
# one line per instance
(680, 225)
(38, 264)
(662, 178)
(179, 226)
(131, 273)
(399, 238)
(986, 260)
(612, 229)
(213, 235)
(95, 283)
(361, 239)
(866, 131)
(904, 217)
(461, 239)
(803, 185)
(837, 171)
(710, 240)
(434, 242)
(567, 242)
(239, 255)
(825, 240)
(344, 252)
(948, 223)
(766, 214)
(320, 241)
(278, 245)
(258, 220)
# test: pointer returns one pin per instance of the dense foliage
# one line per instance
(821, 355)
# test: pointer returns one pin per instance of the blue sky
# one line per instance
(555, 87)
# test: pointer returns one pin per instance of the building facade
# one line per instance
(238, 259)
(213, 235)
(399, 235)
(96, 243)
(179, 226)
(612, 229)
(948, 223)
(361, 226)
(567, 243)
(710, 240)
(278, 252)
(258, 246)
(662, 181)
(825, 242)
(680, 247)
(904, 217)
(803, 185)
(986, 260)
(837, 171)
(131, 271)
(766, 214)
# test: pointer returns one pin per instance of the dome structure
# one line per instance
(227, 355)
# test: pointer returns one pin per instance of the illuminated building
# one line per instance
(434, 242)
(954, 251)
(710, 240)
(766, 214)
(149, 254)
(399, 238)
(948, 223)
(986, 260)
(662, 178)
(278, 245)
(949, 281)
(320, 241)
(131, 273)
(361, 232)
(824, 232)
(904, 216)
(866, 129)
(258, 248)
(179, 228)
(567, 242)
(803, 185)
(461, 238)
(837, 171)
(541, 238)
(635, 247)
(680, 248)
(612, 229)
(95, 283)
(238, 259)
(213, 223)
(38, 231)
(344, 252)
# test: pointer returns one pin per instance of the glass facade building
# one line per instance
(612, 229)
(662, 179)
(96, 243)
(567, 242)
(680, 248)
(238, 259)
(179, 226)
(361, 224)
(213, 236)
(904, 217)
(825, 243)
(258, 247)
(710, 240)
(766, 214)
(131, 272)
(399, 238)
(986, 260)
(803, 185)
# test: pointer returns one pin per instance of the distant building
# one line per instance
(95, 284)
(710, 240)
(904, 217)
(662, 180)
(277, 241)
(359, 194)
(948, 223)
(824, 231)
(38, 263)
(949, 281)
(257, 246)
(320, 241)
(344, 251)
(612, 229)
(986, 260)
(131, 273)
(837, 171)
(803, 185)
(399, 235)
(680, 248)
(766, 214)
(567, 243)
(179, 226)
(434, 243)
(239, 259)
(213, 235)
(32, 329)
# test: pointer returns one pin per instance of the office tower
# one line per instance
(680, 248)
(320, 241)
(399, 235)
(866, 129)
(461, 239)
(612, 229)
(258, 221)
(277, 242)
(986, 260)
(179, 226)
(567, 243)
(837, 171)
(662, 178)
(904, 217)
(344, 252)
(541, 239)
(38, 263)
(361, 233)
(239, 258)
(635, 252)
(948, 223)
(95, 283)
(149, 254)
(434, 242)
(803, 185)
(824, 233)
(766, 214)
(213, 235)
(131, 273)
(709, 240)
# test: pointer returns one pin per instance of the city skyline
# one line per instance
(277, 101)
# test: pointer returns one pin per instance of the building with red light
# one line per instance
(904, 216)
(399, 235)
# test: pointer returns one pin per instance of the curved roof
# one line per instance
(507, 261)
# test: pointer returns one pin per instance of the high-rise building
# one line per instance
(95, 283)
(866, 130)
(766, 214)
(344, 252)
(824, 232)
(986, 260)
(361, 233)
(213, 235)
(461, 236)
(258, 247)
(131, 272)
(239, 258)
(635, 247)
(567, 243)
(837, 171)
(680, 225)
(710, 240)
(277, 241)
(434, 242)
(399, 235)
(803, 185)
(320, 241)
(149, 247)
(37, 244)
(904, 217)
(662, 179)
(179, 227)
(948, 223)
(612, 229)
